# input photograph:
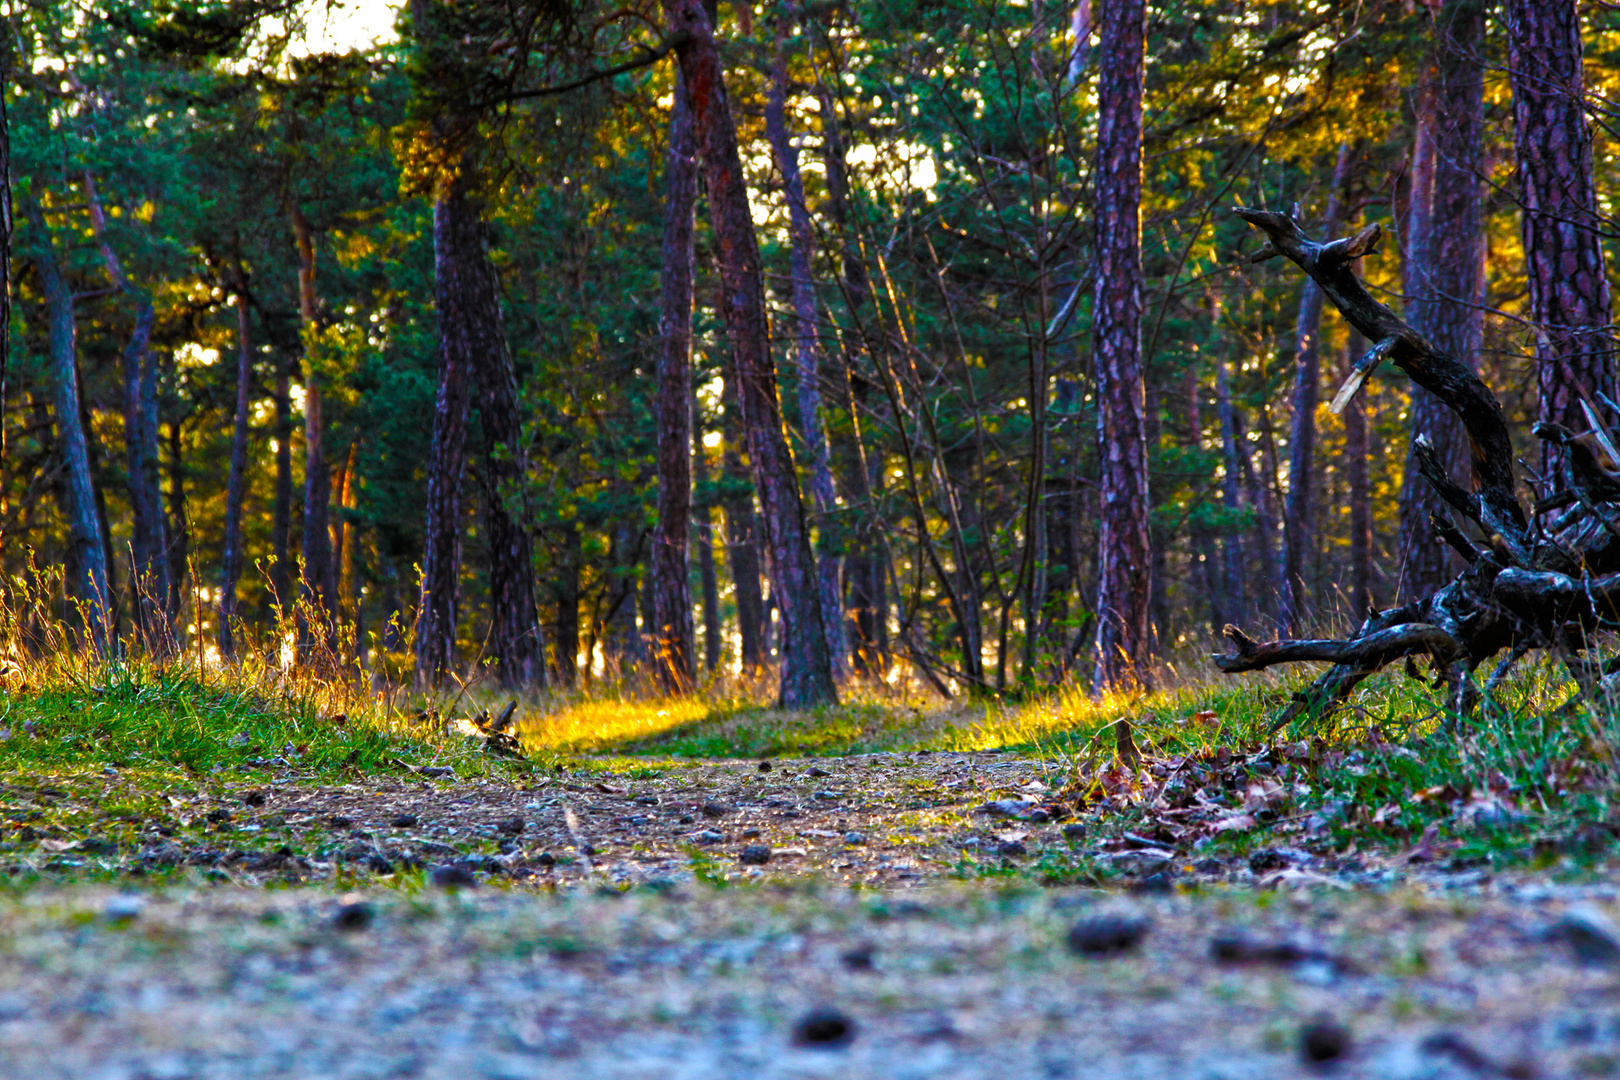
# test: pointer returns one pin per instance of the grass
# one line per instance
(1510, 783)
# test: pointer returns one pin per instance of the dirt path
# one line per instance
(960, 983)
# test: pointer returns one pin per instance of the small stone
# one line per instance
(858, 957)
(1593, 937)
(713, 809)
(338, 821)
(854, 839)
(352, 917)
(816, 771)
(827, 796)
(1154, 883)
(1322, 1040)
(1108, 935)
(512, 826)
(1074, 830)
(825, 1029)
(1209, 866)
(219, 815)
(452, 876)
(1040, 817)
(253, 798)
(545, 858)
(123, 908)
(750, 834)
(1011, 849)
(709, 836)
(403, 821)
(684, 819)
(755, 855)
(764, 766)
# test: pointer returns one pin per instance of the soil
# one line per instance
(608, 924)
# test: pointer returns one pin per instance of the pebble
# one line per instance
(825, 1029)
(452, 876)
(1323, 1040)
(854, 839)
(713, 809)
(1074, 830)
(1108, 935)
(352, 917)
(1591, 935)
(403, 821)
(764, 766)
(545, 858)
(754, 855)
(1010, 849)
(512, 826)
(709, 836)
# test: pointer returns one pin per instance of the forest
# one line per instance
(911, 342)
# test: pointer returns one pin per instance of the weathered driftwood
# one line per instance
(1547, 579)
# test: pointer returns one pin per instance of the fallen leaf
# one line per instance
(1234, 823)
(609, 789)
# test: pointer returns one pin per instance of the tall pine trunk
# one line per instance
(742, 528)
(236, 485)
(672, 595)
(1360, 495)
(437, 611)
(807, 354)
(1444, 279)
(806, 673)
(1298, 522)
(319, 586)
(703, 538)
(1569, 293)
(89, 556)
(516, 644)
(149, 580)
(281, 504)
(1124, 559)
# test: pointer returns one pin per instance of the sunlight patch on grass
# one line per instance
(590, 725)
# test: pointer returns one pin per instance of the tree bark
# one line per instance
(516, 643)
(179, 524)
(742, 529)
(1569, 292)
(92, 587)
(1355, 450)
(1299, 528)
(1124, 586)
(672, 595)
(1446, 279)
(566, 649)
(281, 507)
(319, 586)
(806, 674)
(149, 585)
(6, 64)
(236, 485)
(436, 613)
(703, 533)
(1237, 603)
(807, 353)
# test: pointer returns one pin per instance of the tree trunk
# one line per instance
(807, 353)
(320, 590)
(149, 586)
(179, 524)
(742, 529)
(1237, 574)
(436, 612)
(1569, 292)
(672, 595)
(1200, 539)
(236, 485)
(92, 587)
(1124, 586)
(281, 511)
(516, 644)
(1445, 280)
(806, 674)
(1299, 528)
(6, 63)
(1355, 451)
(704, 540)
(566, 650)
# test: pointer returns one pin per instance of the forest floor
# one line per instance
(204, 879)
